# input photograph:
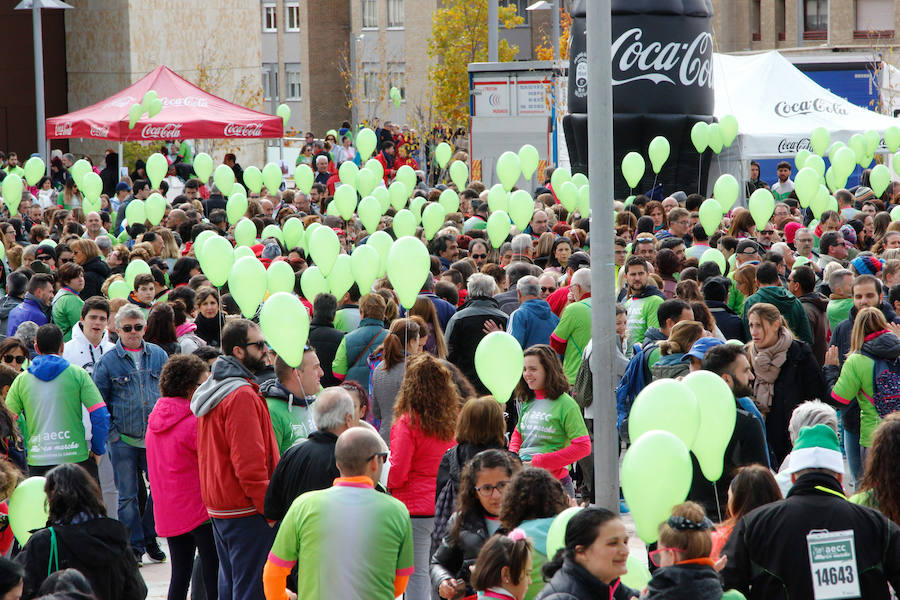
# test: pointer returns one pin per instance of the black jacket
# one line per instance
(768, 556)
(6, 305)
(815, 305)
(325, 339)
(574, 582)
(453, 558)
(304, 467)
(728, 321)
(96, 272)
(465, 329)
(685, 582)
(99, 548)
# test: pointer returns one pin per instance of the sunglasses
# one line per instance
(382, 455)
(9, 358)
(478, 255)
(128, 328)
(548, 289)
(260, 345)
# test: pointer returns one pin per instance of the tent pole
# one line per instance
(121, 159)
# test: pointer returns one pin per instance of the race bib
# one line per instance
(832, 562)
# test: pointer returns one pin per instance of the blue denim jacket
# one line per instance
(130, 394)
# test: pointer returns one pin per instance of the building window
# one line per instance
(270, 80)
(520, 5)
(815, 15)
(780, 19)
(269, 18)
(370, 81)
(292, 17)
(395, 13)
(874, 17)
(369, 13)
(756, 19)
(292, 79)
(397, 74)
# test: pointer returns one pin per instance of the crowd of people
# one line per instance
(380, 466)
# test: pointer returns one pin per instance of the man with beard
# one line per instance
(748, 441)
(641, 300)
(237, 454)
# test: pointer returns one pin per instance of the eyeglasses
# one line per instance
(8, 358)
(548, 289)
(136, 327)
(382, 455)
(260, 345)
(487, 490)
(478, 255)
(654, 556)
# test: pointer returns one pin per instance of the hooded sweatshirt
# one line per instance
(291, 416)
(79, 351)
(532, 323)
(236, 446)
(787, 304)
(50, 395)
(691, 581)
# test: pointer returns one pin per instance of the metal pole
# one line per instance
(557, 51)
(493, 26)
(800, 22)
(603, 315)
(36, 30)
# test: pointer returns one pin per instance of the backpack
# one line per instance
(637, 376)
(886, 386)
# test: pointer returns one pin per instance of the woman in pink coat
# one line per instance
(178, 508)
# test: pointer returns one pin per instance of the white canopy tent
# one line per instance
(777, 106)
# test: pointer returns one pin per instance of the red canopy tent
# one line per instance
(188, 113)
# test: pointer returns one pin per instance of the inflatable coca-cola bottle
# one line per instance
(662, 84)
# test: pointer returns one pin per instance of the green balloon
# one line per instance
(399, 194)
(442, 153)
(408, 265)
(244, 233)
(880, 178)
(499, 363)
(858, 144)
(762, 205)
(304, 178)
(560, 175)
(308, 235)
(717, 417)
(416, 204)
(118, 289)
(280, 277)
(28, 509)
(498, 198)
(568, 195)
(253, 179)
(247, 283)
(383, 196)
(134, 113)
(459, 174)
(382, 243)
(556, 534)
(155, 208)
(157, 165)
(408, 177)
(580, 180)
(820, 202)
(819, 139)
(136, 212)
(498, 228)
(223, 177)
(135, 268)
(79, 170)
(90, 205)
(216, 260)
(714, 255)
(816, 162)
(340, 280)
(714, 137)
(348, 172)
(449, 199)
(584, 200)
(201, 240)
(236, 207)
(404, 223)
(528, 160)
(324, 248)
(891, 138)
(369, 211)
(376, 167)
(283, 111)
(313, 283)
(364, 264)
(700, 138)
(833, 148)
(710, 215)
(365, 143)
(12, 187)
(665, 404)
(242, 251)
(91, 185)
(806, 184)
(633, 168)
(203, 166)
(729, 127)
(432, 219)
(895, 213)
(366, 181)
(508, 169)
(293, 233)
(345, 200)
(873, 140)
(285, 325)
(273, 231)
(656, 476)
(271, 175)
(844, 160)
(726, 191)
(521, 208)
(638, 576)
(658, 151)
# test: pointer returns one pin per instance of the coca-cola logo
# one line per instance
(167, 131)
(805, 107)
(687, 63)
(121, 102)
(247, 130)
(99, 131)
(186, 101)
(786, 146)
(64, 128)
(581, 75)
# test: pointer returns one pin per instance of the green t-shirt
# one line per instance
(838, 310)
(349, 541)
(856, 381)
(291, 425)
(186, 152)
(549, 425)
(66, 310)
(641, 316)
(574, 328)
(53, 413)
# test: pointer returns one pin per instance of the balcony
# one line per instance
(873, 34)
(820, 34)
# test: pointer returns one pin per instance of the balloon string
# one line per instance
(718, 508)
(699, 172)
(655, 177)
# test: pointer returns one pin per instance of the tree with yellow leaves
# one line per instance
(545, 50)
(459, 36)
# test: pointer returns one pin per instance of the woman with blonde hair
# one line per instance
(785, 370)
(435, 344)
(671, 363)
(742, 225)
(424, 424)
(745, 280)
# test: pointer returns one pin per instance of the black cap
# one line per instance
(747, 247)
(578, 260)
(716, 288)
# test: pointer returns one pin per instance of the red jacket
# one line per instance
(237, 453)
(389, 171)
(415, 458)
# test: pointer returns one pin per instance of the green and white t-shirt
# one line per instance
(857, 381)
(574, 328)
(548, 425)
(349, 542)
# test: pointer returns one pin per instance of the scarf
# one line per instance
(767, 366)
(184, 328)
(208, 329)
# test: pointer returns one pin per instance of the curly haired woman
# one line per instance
(879, 487)
(424, 424)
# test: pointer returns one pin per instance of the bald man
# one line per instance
(93, 226)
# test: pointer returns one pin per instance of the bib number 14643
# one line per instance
(832, 561)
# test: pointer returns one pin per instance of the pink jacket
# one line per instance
(173, 469)
(415, 458)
